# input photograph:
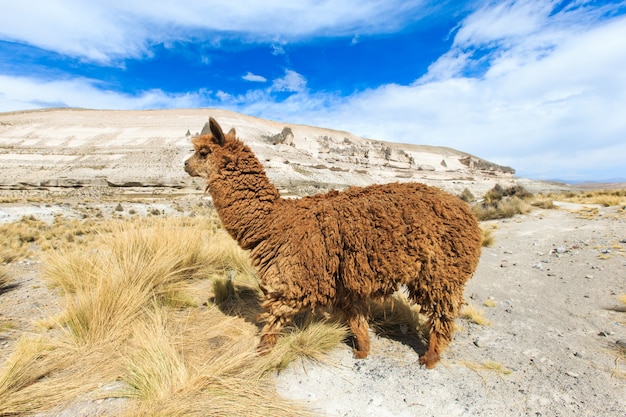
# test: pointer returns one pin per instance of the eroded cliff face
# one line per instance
(70, 148)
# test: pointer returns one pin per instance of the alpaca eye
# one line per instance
(204, 152)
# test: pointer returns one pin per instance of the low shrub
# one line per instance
(500, 203)
(505, 208)
(467, 196)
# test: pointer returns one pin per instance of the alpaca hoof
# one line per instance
(268, 341)
(263, 349)
(429, 360)
(360, 354)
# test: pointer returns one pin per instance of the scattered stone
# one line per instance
(119, 207)
(622, 241)
(604, 334)
(621, 343)
(572, 374)
(560, 249)
(538, 266)
(578, 355)
(504, 264)
(589, 276)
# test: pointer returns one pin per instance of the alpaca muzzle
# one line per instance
(189, 170)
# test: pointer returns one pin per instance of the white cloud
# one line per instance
(278, 50)
(254, 78)
(27, 93)
(105, 31)
(291, 82)
(89, 30)
(502, 21)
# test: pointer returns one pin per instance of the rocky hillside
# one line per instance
(145, 150)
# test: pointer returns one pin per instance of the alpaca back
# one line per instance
(367, 241)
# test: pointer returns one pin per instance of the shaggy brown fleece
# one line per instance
(342, 249)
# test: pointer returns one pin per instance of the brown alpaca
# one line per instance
(341, 249)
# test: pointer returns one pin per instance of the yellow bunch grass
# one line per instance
(5, 279)
(128, 322)
(487, 237)
(311, 341)
(475, 315)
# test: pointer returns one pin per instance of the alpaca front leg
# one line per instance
(278, 315)
(357, 320)
(269, 335)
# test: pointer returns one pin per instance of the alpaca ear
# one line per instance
(232, 132)
(216, 130)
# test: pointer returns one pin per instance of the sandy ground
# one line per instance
(553, 278)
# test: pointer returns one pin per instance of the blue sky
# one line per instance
(535, 84)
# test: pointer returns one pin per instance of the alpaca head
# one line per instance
(209, 150)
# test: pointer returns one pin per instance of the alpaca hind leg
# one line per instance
(439, 337)
(441, 312)
(277, 316)
(356, 315)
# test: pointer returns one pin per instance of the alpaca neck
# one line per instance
(244, 197)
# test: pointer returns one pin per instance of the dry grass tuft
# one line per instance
(467, 196)
(311, 340)
(5, 279)
(622, 298)
(128, 268)
(587, 213)
(475, 315)
(488, 238)
(490, 302)
(544, 202)
(488, 366)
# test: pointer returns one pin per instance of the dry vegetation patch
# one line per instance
(605, 198)
(137, 317)
(500, 203)
(20, 240)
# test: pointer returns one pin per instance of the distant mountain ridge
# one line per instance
(57, 148)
